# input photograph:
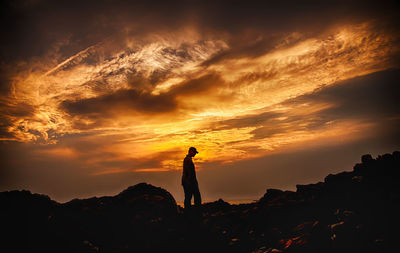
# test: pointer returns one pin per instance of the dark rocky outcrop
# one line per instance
(355, 211)
(140, 217)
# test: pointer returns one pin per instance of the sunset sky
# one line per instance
(96, 96)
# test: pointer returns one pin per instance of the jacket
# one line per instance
(189, 173)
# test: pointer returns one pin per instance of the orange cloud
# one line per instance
(159, 95)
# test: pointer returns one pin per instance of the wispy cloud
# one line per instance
(163, 90)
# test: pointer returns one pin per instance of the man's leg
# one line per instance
(197, 196)
(188, 196)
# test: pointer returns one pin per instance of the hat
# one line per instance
(193, 149)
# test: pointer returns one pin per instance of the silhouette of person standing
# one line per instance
(189, 181)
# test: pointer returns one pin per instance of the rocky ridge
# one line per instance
(355, 211)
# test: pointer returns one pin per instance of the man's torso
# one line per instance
(189, 174)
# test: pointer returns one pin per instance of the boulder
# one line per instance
(271, 194)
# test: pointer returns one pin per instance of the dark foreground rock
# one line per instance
(355, 211)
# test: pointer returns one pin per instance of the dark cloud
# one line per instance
(247, 121)
(139, 99)
(5, 80)
(372, 97)
(122, 100)
(197, 86)
(254, 43)
(279, 15)
(35, 26)
(10, 111)
(16, 110)
(271, 123)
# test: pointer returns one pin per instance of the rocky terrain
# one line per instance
(356, 211)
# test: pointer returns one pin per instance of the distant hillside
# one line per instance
(355, 211)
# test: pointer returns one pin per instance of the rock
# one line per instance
(277, 197)
(338, 179)
(149, 198)
(271, 194)
(311, 190)
(333, 226)
(271, 250)
(304, 228)
(366, 159)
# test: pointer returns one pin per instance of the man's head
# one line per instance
(192, 151)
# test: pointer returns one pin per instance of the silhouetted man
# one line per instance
(189, 181)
